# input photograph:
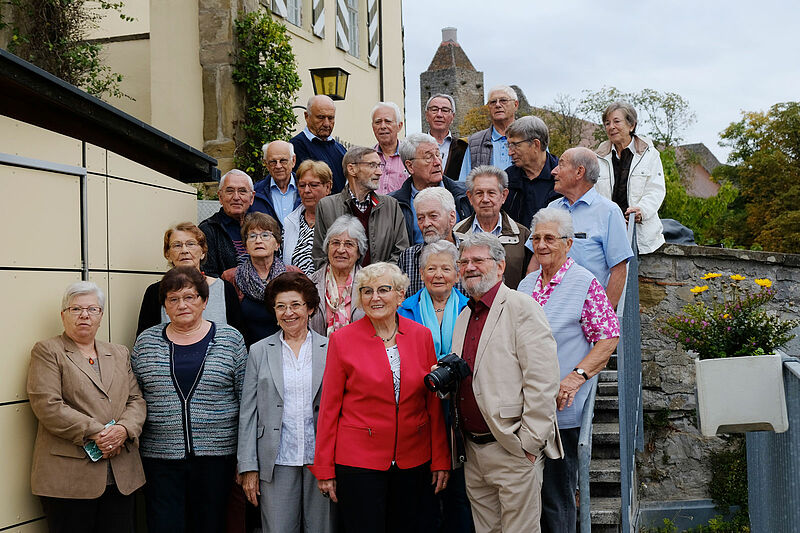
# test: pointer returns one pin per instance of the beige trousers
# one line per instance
(504, 490)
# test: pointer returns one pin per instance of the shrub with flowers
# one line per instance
(728, 319)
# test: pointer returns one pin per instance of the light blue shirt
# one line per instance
(310, 136)
(604, 243)
(498, 229)
(283, 202)
(500, 157)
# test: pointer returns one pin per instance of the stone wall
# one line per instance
(465, 86)
(674, 465)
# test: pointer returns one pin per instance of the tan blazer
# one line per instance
(516, 376)
(71, 403)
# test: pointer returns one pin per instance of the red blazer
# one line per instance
(359, 423)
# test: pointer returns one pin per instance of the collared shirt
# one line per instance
(444, 147)
(500, 157)
(296, 447)
(362, 205)
(416, 238)
(467, 404)
(283, 202)
(394, 173)
(598, 319)
(601, 238)
(498, 228)
(310, 136)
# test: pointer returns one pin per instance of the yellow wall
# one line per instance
(129, 207)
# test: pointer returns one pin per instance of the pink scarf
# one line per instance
(337, 301)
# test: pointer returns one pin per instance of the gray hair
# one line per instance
(627, 109)
(440, 195)
(79, 288)
(398, 117)
(435, 248)
(235, 172)
(442, 95)
(530, 128)
(313, 100)
(399, 280)
(583, 157)
(408, 148)
(486, 240)
(354, 155)
(510, 92)
(266, 147)
(559, 217)
(350, 225)
(488, 170)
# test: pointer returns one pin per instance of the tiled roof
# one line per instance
(450, 55)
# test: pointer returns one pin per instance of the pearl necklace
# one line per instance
(188, 332)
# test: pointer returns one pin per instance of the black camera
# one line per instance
(452, 369)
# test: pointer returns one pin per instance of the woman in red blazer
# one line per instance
(380, 432)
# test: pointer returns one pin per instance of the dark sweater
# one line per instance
(525, 196)
(329, 152)
(403, 197)
(221, 253)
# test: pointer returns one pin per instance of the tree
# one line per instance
(476, 119)
(265, 68)
(50, 34)
(766, 165)
(563, 121)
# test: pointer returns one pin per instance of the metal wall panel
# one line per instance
(25, 140)
(16, 450)
(126, 299)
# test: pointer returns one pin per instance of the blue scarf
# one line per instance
(442, 335)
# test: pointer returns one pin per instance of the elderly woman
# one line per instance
(314, 179)
(586, 331)
(86, 461)
(185, 245)
(190, 372)
(345, 244)
(282, 389)
(381, 432)
(631, 174)
(262, 237)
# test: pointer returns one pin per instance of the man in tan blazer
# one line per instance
(507, 408)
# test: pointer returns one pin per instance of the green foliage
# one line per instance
(765, 159)
(476, 119)
(563, 121)
(734, 323)
(265, 68)
(728, 486)
(701, 215)
(50, 34)
(666, 115)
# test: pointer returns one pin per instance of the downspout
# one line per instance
(380, 47)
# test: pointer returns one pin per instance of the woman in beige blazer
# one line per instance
(87, 400)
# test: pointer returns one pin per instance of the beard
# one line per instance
(482, 286)
(428, 239)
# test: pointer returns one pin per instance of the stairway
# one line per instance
(604, 470)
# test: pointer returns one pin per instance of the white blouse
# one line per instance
(394, 362)
(296, 446)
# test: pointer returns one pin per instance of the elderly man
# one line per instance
(420, 153)
(277, 195)
(530, 180)
(316, 140)
(488, 147)
(487, 188)
(436, 216)
(440, 110)
(507, 407)
(380, 215)
(223, 228)
(386, 124)
(601, 241)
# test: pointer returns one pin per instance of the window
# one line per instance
(352, 15)
(295, 12)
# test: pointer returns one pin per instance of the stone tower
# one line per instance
(451, 72)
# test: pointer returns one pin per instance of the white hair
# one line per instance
(560, 217)
(508, 91)
(266, 147)
(79, 288)
(435, 248)
(235, 172)
(442, 95)
(408, 148)
(485, 240)
(439, 194)
(487, 170)
(398, 117)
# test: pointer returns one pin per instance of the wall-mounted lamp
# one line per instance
(330, 81)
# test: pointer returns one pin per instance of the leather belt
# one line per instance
(480, 438)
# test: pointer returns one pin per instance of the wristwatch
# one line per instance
(581, 372)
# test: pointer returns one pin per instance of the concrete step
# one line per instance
(606, 403)
(605, 433)
(607, 388)
(612, 362)
(607, 375)
(604, 471)
(605, 512)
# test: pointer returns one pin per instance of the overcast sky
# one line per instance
(723, 57)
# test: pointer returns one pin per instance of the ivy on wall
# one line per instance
(265, 68)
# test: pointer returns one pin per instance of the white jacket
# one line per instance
(646, 189)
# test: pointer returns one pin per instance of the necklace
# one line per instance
(387, 339)
(174, 330)
(439, 310)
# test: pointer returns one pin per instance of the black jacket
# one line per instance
(403, 197)
(517, 205)
(221, 254)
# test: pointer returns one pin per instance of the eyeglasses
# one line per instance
(241, 191)
(309, 184)
(178, 245)
(515, 145)
(265, 236)
(372, 164)
(477, 261)
(436, 109)
(294, 306)
(548, 239)
(189, 299)
(383, 290)
(428, 158)
(501, 101)
(76, 310)
(276, 162)
(491, 193)
(349, 245)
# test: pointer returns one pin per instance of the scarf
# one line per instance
(337, 301)
(251, 284)
(442, 335)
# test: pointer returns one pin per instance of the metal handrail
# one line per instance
(585, 459)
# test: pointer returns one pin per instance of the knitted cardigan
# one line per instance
(209, 423)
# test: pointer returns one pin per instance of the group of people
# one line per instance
(286, 357)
